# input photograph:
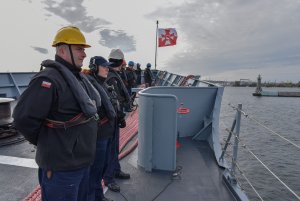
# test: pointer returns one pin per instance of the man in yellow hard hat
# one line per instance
(58, 114)
(70, 44)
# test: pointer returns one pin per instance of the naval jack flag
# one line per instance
(167, 37)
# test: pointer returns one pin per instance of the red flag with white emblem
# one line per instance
(167, 37)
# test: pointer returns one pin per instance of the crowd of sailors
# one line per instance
(73, 116)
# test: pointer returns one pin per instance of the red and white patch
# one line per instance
(46, 84)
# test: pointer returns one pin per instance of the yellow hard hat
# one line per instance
(69, 35)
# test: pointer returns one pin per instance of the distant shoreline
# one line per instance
(253, 84)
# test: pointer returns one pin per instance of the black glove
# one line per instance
(121, 115)
(110, 88)
(122, 123)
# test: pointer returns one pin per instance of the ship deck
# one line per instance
(18, 171)
(198, 177)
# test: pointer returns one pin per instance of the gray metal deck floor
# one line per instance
(17, 182)
(200, 178)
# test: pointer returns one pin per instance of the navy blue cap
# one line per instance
(100, 61)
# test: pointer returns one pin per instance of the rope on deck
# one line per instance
(131, 129)
(35, 195)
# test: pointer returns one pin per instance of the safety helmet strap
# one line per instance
(71, 54)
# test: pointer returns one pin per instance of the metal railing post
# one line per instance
(228, 139)
(236, 140)
(15, 84)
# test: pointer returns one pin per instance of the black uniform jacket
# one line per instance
(131, 77)
(116, 82)
(107, 112)
(49, 96)
(148, 76)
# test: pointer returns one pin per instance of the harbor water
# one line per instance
(280, 114)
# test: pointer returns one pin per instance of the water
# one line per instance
(282, 115)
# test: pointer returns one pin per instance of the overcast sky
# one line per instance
(217, 39)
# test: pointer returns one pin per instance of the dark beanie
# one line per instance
(115, 62)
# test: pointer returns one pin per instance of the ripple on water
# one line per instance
(282, 115)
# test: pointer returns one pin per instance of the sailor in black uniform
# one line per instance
(107, 125)
(114, 169)
(148, 76)
(58, 114)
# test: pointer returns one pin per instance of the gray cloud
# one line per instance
(234, 34)
(75, 13)
(40, 50)
(117, 39)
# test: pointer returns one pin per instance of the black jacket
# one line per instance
(131, 77)
(148, 76)
(116, 82)
(107, 112)
(49, 96)
(123, 75)
(138, 73)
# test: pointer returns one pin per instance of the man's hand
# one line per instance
(122, 123)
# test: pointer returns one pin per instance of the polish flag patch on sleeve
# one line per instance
(46, 84)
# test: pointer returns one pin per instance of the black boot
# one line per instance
(113, 187)
(106, 199)
(122, 175)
